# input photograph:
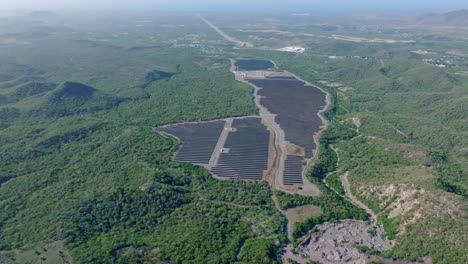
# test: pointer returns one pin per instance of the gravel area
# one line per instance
(338, 242)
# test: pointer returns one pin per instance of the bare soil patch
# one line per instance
(357, 122)
(421, 52)
(294, 150)
(455, 52)
(464, 73)
(409, 202)
(54, 252)
(300, 213)
(345, 89)
(373, 40)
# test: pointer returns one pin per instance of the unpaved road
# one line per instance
(347, 187)
(224, 35)
(308, 188)
(222, 139)
(280, 145)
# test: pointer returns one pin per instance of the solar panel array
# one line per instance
(248, 151)
(198, 140)
(296, 106)
(253, 65)
(293, 167)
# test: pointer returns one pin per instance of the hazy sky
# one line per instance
(257, 5)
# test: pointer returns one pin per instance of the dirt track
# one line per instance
(222, 139)
(330, 252)
(281, 145)
(224, 35)
(347, 187)
(282, 148)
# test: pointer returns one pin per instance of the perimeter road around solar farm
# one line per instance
(242, 151)
(298, 128)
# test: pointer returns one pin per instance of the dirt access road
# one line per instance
(347, 187)
(280, 143)
(332, 252)
(226, 36)
(219, 146)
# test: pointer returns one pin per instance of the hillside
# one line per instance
(85, 177)
(70, 91)
(458, 18)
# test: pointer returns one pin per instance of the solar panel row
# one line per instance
(199, 140)
(293, 167)
(248, 151)
(296, 106)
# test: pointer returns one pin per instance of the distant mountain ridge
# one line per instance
(42, 14)
(457, 18)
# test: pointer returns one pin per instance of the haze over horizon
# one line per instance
(243, 5)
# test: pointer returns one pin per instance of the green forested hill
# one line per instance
(409, 159)
(80, 163)
(84, 179)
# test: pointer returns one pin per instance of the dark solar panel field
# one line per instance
(293, 167)
(248, 151)
(296, 106)
(253, 65)
(198, 140)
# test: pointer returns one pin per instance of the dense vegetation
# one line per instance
(173, 217)
(449, 172)
(412, 134)
(328, 159)
(80, 163)
(80, 168)
(401, 113)
(334, 181)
